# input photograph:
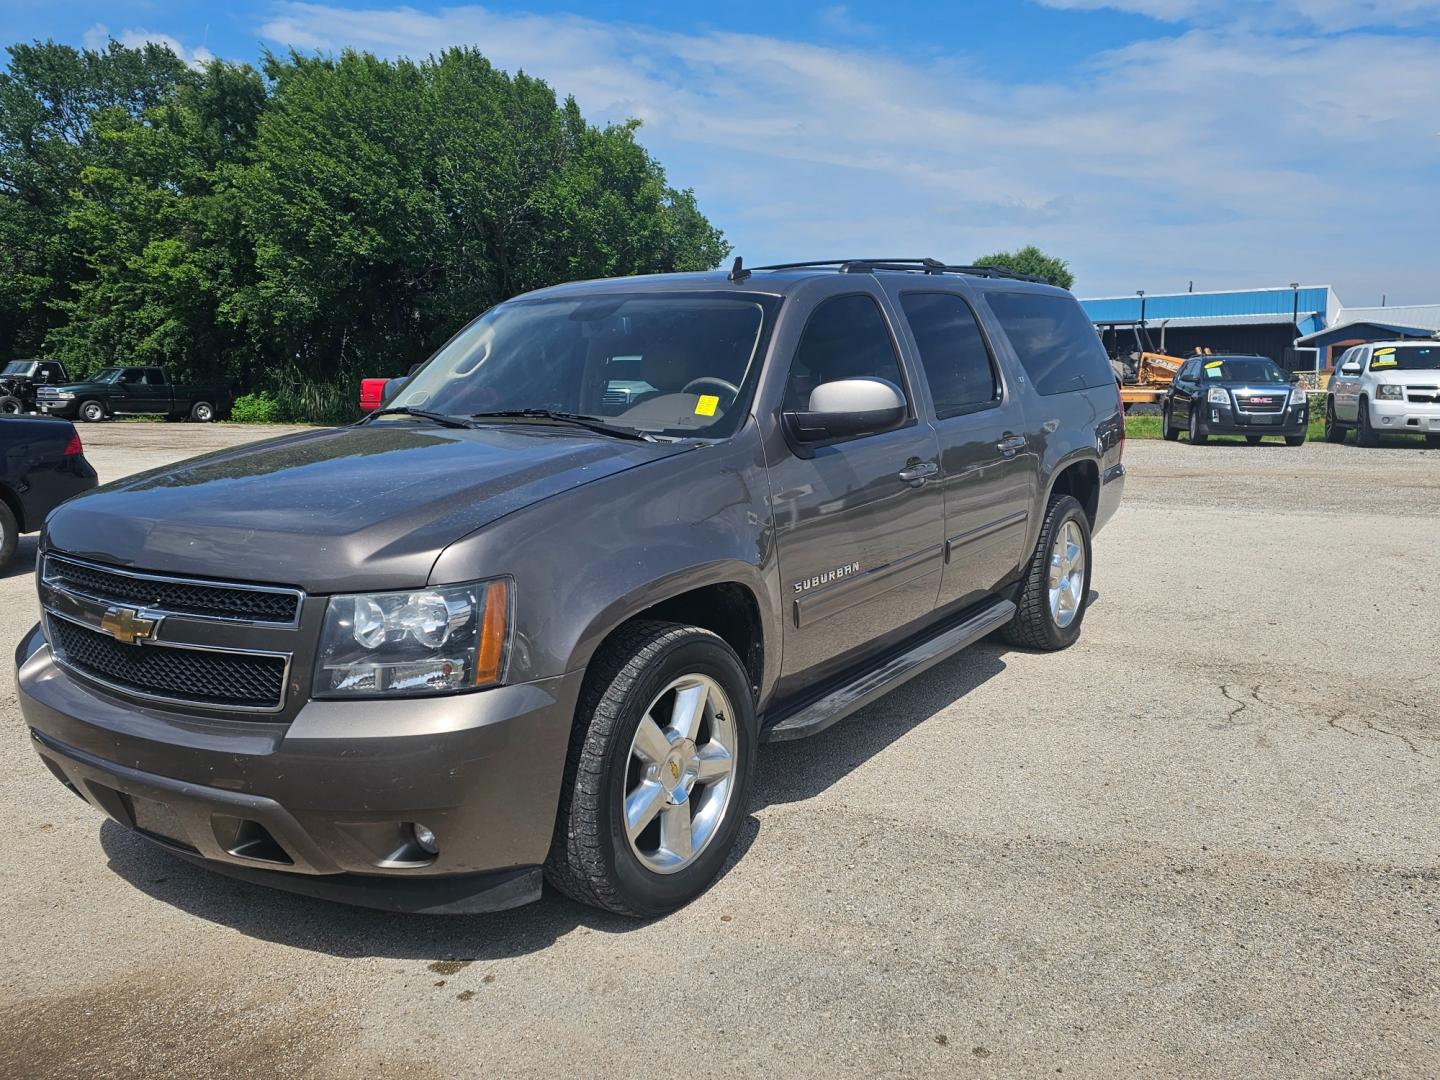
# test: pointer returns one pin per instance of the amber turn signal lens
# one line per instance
(491, 653)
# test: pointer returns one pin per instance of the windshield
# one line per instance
(107, 375)
(18, 367)
(670, 364)
(1406, 358)
(1250, 369)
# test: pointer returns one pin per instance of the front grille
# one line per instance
(1263, 403)
(174, 596)
(235, 680)
(1423, 395)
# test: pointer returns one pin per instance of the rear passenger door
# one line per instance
(988, 470)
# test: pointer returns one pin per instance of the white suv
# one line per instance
(1387, 387)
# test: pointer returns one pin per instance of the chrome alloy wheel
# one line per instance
(680, 774)
(1067, 574)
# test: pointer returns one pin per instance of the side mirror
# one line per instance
(846, 408)
(1294, 376)
(1350, 369)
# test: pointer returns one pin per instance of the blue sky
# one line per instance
(1150, 142)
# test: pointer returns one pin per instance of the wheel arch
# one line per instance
(716, 598)
(1078, 477)
(15, 506)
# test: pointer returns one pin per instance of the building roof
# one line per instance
(1221, 320)
(1315, 303)
(1426, 316)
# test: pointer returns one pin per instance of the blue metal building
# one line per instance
(1263, 321)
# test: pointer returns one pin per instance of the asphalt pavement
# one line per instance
(1202, 843)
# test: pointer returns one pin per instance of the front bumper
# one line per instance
(1404, 417)
(66, 409)
(326, 803)
(1228, 420)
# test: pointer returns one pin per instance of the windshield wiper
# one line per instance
(424, 414)
(578, 419)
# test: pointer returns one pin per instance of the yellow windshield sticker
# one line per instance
(707, 405)
(1383, 361)
(1215, 363)
(1383, 352)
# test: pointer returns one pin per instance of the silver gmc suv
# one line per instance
(1385, 388)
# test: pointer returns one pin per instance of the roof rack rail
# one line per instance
(921, 266)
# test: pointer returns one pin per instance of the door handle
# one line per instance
(916, 472)
(1010, 444)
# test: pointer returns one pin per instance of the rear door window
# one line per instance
(847, 338)
(155, 376)
(1055, 341)
(953, 352)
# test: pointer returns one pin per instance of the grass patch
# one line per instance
(1148, 427)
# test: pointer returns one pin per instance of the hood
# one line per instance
(360, 508)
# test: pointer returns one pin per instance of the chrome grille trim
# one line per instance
(52, 581)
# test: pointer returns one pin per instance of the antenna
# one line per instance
(738, 273)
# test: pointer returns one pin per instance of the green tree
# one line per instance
(1033, 262)
(51, 100)
(391, 201)
(158, 220)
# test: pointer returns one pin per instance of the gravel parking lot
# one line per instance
(1202, 843)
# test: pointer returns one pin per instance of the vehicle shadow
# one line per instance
(23, 561)
(322, 926)
(787, 772)
(793, 771)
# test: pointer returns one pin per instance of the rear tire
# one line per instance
(1253, 440)
(1168, 431)
(9, 535)
(92, 412)
(1295, 440)
(638, 675)
(1433, 442)
(203, 412)
(1334, 430)
(1364, 433)
(11, 406)
(1037, 623)
(1198, 435)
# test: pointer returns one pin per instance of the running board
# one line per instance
(840, 703)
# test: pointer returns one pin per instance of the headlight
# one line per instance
(1385, 392)
(1217, 396)
(64, 395)
(1297, 396)
(430, 641)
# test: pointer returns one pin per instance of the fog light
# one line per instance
(426, 839)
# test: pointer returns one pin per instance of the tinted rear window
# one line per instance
(1054, 339)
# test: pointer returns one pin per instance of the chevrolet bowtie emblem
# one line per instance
(126, 626)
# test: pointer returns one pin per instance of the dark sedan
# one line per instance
(41, 465)
(1234, 395)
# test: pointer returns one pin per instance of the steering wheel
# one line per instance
(711, 380)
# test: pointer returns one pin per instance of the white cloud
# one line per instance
(1326, 15)
(99, 35)
(1231, 158)
(839, 19)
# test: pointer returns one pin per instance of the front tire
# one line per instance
(1168, 431)
(1295, 440)
(1056, 587)
(1198, 435)
(1365, 434)
(11, 406)
(1433, 442)
(659, 771)
(1253, 440)
(1334, 430)
(92, 412)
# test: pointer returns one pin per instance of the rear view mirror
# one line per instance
(1350, 369)
(846, 408)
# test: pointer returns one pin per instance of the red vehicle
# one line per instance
(372, 393)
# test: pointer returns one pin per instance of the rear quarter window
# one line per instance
(1054, 339)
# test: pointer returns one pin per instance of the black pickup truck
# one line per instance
(133, 391)
(21, 379)
(41, 465)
